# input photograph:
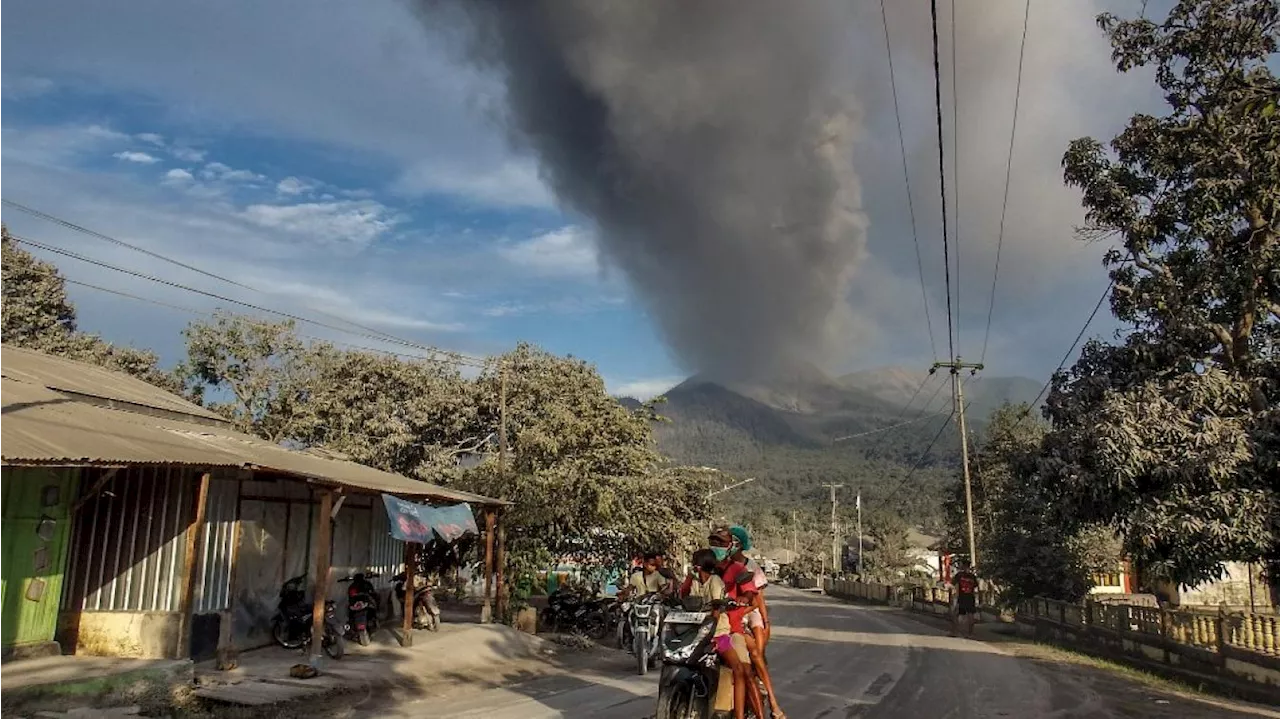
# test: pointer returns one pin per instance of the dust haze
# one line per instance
(710, 143)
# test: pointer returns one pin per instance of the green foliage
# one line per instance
(582, 470)
(37, 315)
(1024, 545)
(1170, 435)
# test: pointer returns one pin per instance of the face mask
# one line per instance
(722, 553)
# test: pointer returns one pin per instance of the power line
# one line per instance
(455, 357)
(71, 225)
(925, 454)
(919, 415)
(385, 337)
(955, 161)
(942, 177)
(1008, 172)
(1079, 335)
(920, 459)
(203, 313)
(898, 423)
(906, 177)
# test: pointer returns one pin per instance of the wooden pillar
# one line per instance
(320, 582)
(410, 567)
(500, 587)
(486, 611)
(194, 532)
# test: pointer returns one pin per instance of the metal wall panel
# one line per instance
(217, 543)
(130, 538)
(386, 555)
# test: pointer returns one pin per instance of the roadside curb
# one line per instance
(1005, 632)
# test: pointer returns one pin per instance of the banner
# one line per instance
(421, 523)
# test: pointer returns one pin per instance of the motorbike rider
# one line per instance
(757, 619)
(648, 579)
(754, 619)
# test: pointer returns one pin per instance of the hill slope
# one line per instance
(797, 433)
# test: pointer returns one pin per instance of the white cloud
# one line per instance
(293, 186)
(151, 137)
(27, 86)
(187, 154)
(178, 176)
(569, 251)
(359, 310)
(355, 222)
(219, 171)
(509, 184)
(58, 145)
(134, 156)
(644, 389)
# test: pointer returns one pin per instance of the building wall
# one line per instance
(34, 558)
(1231, 590)
(127, 561)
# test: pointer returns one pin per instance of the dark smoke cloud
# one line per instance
(710, 143)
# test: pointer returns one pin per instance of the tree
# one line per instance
(261, 364)
(38, 315)
(583, 470)
(413, 417)
(1024, 544)
(1171, 434)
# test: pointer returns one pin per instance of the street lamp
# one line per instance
(711, 523)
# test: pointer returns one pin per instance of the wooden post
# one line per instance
(410, 568)
(194, 531)
(486, 611)
(500, 587)
(320, 583)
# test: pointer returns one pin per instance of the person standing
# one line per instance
(965, 583)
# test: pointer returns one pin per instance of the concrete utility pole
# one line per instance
(957, 393)
(858, 503)
(835, 530)
(795, 537)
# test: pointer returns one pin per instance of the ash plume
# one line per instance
(711, 145)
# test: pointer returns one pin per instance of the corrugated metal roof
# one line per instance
(59, 373)
(44, 427)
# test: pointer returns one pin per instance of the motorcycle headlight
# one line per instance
(682, 652)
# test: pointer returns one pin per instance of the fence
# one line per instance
(1240, 645)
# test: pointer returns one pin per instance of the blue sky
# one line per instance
(337, 158)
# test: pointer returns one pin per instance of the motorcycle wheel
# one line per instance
(334, 645)
(641, 645)
(548, 620)
(363, 637)
(678, 704)
(280, 633)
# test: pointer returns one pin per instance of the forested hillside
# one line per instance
(788, 437)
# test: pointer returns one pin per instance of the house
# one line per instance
(139, 524)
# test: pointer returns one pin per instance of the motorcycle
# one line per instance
(645, 622)
(362, 607)
(426, 612)
(566, 609)
(291, 625)
(694, 683)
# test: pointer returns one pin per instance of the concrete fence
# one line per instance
(1240, 645)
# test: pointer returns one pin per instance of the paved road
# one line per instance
(838, 661)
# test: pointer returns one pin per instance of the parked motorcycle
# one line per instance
(692, 674)
(426, 612)
(362, 607)
(291, 625)
(565, 610)
(645, 620)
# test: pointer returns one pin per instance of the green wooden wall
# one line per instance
(35, 534)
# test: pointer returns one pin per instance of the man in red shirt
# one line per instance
(966, 587)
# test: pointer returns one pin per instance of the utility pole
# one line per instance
(858, 503)
(957, 393)
(835, 530)
(795, 537)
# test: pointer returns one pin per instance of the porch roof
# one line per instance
(45, 427)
